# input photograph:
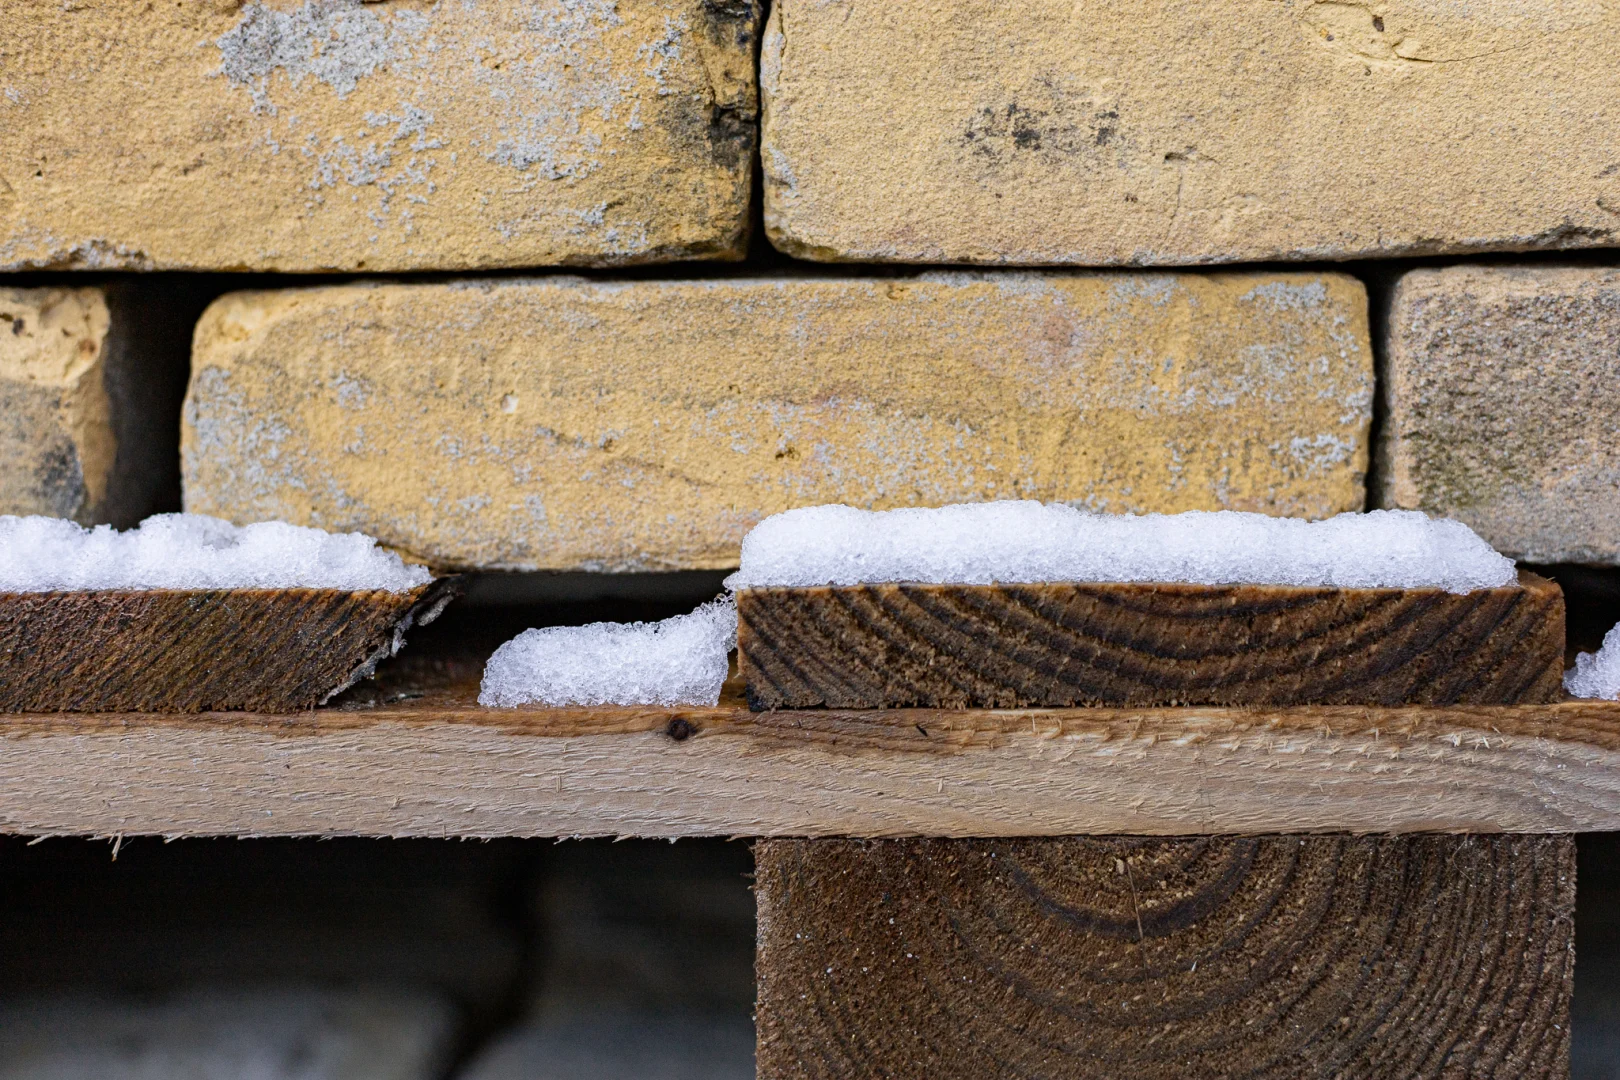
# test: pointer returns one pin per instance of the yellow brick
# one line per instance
(332, 134)
(564, 424)
(56, 438)
(1174, 132)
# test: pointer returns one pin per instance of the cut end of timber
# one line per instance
(1145, 645)
(188, 651)
(1264, 957)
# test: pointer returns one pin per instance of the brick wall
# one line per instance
(643, 420)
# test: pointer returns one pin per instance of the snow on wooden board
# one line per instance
(1025, 541)
(1020, 604)
(678, 661)
(191, 551)
(189, 613)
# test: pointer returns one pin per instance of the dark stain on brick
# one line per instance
(725, 121)
(1048, 122)
(58, 479)
(733, 21)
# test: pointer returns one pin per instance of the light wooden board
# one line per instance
(440, 766)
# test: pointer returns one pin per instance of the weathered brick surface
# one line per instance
(564, 424)
(90, 385)
(57, 445)
(1503, 406)
(335, 134)
(1155, 133)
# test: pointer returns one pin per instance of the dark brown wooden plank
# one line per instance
(1071, 644)
(188, 651)
(1282, 957)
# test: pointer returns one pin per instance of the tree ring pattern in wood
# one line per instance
(199, 650)
(1258, 957)
(1079, 643)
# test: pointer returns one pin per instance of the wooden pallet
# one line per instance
(1063, 949)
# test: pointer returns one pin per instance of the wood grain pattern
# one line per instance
(1056, 645)
(165, 650)
(438, 765)
(1286, 957)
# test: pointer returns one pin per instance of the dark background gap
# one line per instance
(510, 931)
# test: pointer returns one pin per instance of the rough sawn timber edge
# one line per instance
(1188, 958)
(200, 650)
(443, 767)
(1124, 644)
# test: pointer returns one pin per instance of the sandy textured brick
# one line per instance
(564, 424)
(90, 388)
(1503, 406)
(336, 134)
(56, 439)
(1148, 132)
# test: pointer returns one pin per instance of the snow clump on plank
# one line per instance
(679, 661)
(1024, 542)
(1597, 675)
(191, 551)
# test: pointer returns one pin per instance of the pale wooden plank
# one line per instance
(440, 766)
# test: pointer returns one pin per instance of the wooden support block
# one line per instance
(1063, 644)
(1260, 957)
(163, 650)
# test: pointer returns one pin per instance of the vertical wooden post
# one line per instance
(1397, 957)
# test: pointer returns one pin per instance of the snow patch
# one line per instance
(1027, 541)
(191, 551)
(679, 661)
(1597, 675)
